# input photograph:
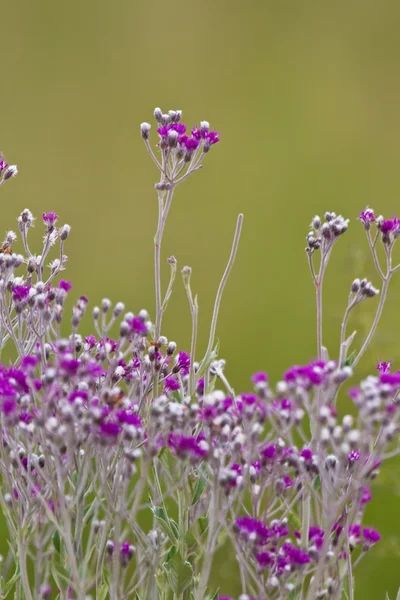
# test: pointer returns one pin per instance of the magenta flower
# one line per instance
(50, 219)
(64, 285)
(371, 536)
(259, 377)
(3, 164)
(307, 454)
(186, 446)
(269, 452)
(8, 407)
(182, 363)
(367, 216)
(20, 293)
(170, 385)
(390, 226)
(109, 430)
(29, 362)
(137, 326)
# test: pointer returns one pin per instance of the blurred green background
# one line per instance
(306, 96)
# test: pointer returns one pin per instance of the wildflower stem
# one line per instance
(220, 291)
(163, 210)
(209, 550)
(22, 564)
(374, 254)
(375, 322)
(343, 345)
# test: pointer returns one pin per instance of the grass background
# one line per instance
(306, 96)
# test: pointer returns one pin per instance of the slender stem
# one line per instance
(209, 550)
(374, 254)
(22, 564)
(221, 287)
(163, 210)
(375, 322)
(342, 349)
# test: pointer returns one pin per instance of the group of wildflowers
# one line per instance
(126, 463)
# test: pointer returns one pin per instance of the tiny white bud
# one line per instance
(145, 130)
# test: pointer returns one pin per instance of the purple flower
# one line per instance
(50, 219)
(249, 525)
(287, 482)
(125, 553)
(264, 559)
(296, 556)
(91, 341)
(307, 376)
(269, 452)
(200, 386)
(3, 164)
(29, 362)
(191, 144)
(137, 326)
(186, 446)
(212, 137)
(367, 216)
(307, 454)
(182, 363)
(371, 536)
(64, 285)
(20, 292)
(354, 456)
(170, 385)
(129, 418)
(9, 406)
(109, 430)
(390, 226)
(259, 377)
(70, 365)
(365, 495)
(78, 395)
(390, 378)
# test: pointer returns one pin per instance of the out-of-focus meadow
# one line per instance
(306, 96)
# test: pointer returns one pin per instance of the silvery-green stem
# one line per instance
(221, 288)
(375, 322)
(162, 217)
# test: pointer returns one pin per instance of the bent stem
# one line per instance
(194, 311)
(221, 288)
(163, 210)
(375, 322)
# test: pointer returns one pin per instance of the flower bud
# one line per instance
(11, 171)
(145, 130)
(65, 231)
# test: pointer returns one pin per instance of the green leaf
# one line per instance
(203, 524)
(350, 359)
(56, 541)
(317, 483)
(171, 553)
(200, 483)
(191, 543)
(103, 592)
(60, 574)
(294, 521)
(214, 596)
(10, 583)
(206, 362)
(398, 595)
(179, 573)
(169, 526)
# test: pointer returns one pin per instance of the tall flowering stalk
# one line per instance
(125, 464)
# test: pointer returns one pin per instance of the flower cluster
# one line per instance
(126, 463)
